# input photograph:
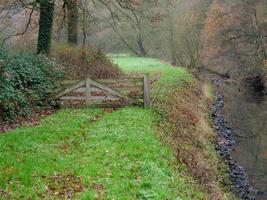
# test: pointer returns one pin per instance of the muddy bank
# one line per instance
(225, 143)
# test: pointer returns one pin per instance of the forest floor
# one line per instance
(105, 153)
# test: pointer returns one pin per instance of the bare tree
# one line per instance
(73, 18)
(131, 20)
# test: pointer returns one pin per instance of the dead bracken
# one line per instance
(189, 133)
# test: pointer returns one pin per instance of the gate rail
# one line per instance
(106, 92)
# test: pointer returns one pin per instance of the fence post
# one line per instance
(88, 91)
(146, 92)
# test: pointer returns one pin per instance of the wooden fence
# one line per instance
(106, 92)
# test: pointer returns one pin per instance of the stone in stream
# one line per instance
(224, 146)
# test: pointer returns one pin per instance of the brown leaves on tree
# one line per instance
(233, 35)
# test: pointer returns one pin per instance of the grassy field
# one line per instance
(97, 154)
(171, 77)
(169, 74)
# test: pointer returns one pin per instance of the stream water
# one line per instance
(246, 114)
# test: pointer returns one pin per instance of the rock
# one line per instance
(225, 143)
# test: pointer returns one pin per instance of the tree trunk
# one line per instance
(170, 14)
(72, 21)
(141, 45)
(172, 42)
(84, 28)
(45, 26)
(260, 34)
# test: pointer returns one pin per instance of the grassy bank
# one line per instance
(181, 102)
(131, 153)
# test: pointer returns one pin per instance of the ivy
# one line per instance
(26, 81)
(45, 26)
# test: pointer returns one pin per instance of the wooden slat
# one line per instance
(125, 90)
(72, 98)
(92, 89)
(81, 89)
(122, 85)
(120, 80)
(107, 98)
(113, 92)
(91, 98)
(146, 92)
(106, 81)
(77, 85)
(82, 94)
(131, 89)
(87, 91)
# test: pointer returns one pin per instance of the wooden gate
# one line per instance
(106, 93)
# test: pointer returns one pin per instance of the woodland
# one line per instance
(204, 63)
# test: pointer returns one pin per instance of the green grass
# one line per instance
(170, 77)
(169, 73)
(118, 150)
(113, 155)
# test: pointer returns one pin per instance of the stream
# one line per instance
(246, 113)
(247, 116)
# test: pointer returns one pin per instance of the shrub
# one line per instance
(78, 63)
(26, 81)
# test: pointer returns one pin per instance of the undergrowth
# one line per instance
(78, 63)
(26, 81)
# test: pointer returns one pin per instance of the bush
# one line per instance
(26, 81)
(78, 63)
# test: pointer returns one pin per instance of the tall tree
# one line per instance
(72, 10)
(45, 26)
(234, 36)
(184, 21)
(132, 21)
(170, 8)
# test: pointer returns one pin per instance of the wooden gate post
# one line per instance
(88, 91)
(146, 92)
